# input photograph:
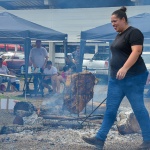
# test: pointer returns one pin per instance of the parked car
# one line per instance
(14, 60)
(98, 64)
(146, 58)
(2, 52)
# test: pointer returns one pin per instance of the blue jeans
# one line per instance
(133, 89)
(5, 79)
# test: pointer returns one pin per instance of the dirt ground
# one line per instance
(62, 138)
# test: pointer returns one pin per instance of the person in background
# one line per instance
(38, 57)
(47, 83)
(4, 70)
(62, 76)
(13, 81)
(73, 69)
(4, 62)
(128, 76)
(76, 58)
(52, 77)
(64, 73)
(69, 62)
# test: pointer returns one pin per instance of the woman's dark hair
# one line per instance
(121, 13)
(65, 68)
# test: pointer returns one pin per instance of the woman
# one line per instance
(69, 63)
(128, 77)
(76, 58)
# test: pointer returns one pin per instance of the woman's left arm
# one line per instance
(136, 52)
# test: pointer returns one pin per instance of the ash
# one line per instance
(40, 134)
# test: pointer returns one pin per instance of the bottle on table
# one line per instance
(39, 70)
(18, 84)
(22, 70)
(32, 69)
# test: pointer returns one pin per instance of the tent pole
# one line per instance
(65, 48)
(27, 46)
(82, 48)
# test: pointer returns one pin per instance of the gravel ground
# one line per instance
(62, 138)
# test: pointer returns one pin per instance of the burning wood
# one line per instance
(71, 118)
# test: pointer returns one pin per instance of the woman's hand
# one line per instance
(121, 73)
(136, 52)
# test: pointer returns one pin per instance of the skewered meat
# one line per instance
(78, 91)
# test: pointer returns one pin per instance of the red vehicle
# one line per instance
(14, 60)
(10, 47)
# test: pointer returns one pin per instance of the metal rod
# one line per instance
(78, 95)
(92, 104)
(94, 110)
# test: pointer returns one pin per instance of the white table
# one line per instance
(7, 75)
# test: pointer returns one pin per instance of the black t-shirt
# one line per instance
(121, 49)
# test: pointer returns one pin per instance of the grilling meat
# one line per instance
(78, 91)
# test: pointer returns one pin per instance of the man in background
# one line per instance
(38, 57)
(52, 77)
(76, 58)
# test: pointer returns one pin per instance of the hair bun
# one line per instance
(123, 8)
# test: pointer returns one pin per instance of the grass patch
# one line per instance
(12, 97)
